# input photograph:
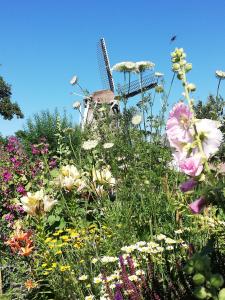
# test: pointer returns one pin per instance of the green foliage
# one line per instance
(8, 109)
(44, 125)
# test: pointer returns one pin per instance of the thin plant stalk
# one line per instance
(218, 87)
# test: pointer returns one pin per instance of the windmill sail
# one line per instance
(133, 89)
(104, 66)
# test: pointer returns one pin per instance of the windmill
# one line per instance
(107, 95)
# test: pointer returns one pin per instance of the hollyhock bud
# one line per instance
(188, 185)
(197, 206)
(191, 87)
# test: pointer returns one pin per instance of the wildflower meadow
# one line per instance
(128, 206)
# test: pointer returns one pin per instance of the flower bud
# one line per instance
(183, 62)
(200, 293)
(191, 87)
(188, 67)
(159, 89)
(176, 67)
(180, 76)
(216, 280)
(221, 295)
(198, 279)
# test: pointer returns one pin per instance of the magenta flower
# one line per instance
(20, 189)
(197, 206)
(188, 185)
(7, 176)
(191, 166)
(178, 126)
(35, 150)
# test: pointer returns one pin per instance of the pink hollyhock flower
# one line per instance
(211, 136)
(178, 126)
(191, 166)
(188, 185)
(197, 206)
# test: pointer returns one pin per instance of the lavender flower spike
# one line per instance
(197, 206)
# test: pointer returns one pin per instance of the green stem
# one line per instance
(142, 100)
(198, 140)
(218, 87)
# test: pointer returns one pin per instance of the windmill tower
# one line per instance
(106, 96)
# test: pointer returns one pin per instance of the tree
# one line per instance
(8, 109)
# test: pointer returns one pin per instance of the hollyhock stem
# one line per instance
(198, 140)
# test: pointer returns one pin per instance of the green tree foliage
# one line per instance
(44, 124)
(8, 109)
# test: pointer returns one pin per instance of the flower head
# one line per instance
(73, 80)
(178, 126)
(90, 144)
(126, 66)
(220, 74)
(197, 206)
(108, 145)
(76, 105)
(136, 120)
(142, 66)
(191, 166)
(210, 135)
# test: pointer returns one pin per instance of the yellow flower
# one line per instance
(64, 268)
(44, 265)
(54, 265)
(49, 239)
(59, 252)
(65, 238)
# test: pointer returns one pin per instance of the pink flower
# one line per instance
(191, 166)
(188, 185)
(178, 126)
(7, 176)
(197, 206)
(211, 136)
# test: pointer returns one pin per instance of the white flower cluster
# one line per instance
(129, 66)
(220, 74)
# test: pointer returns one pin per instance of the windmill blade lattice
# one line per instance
(133, 89)
(104, 66)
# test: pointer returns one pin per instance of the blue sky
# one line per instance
(45, 42)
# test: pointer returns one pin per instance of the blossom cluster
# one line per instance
(95, 181)
(37, 203)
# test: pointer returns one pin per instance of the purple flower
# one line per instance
(188, 185)
(34, 150)
(197, 206)
(9, 217)
(118, 295)
(20, 189)
(7, 176)
(52, 163)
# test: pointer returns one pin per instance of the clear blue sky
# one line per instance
(45, 42)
